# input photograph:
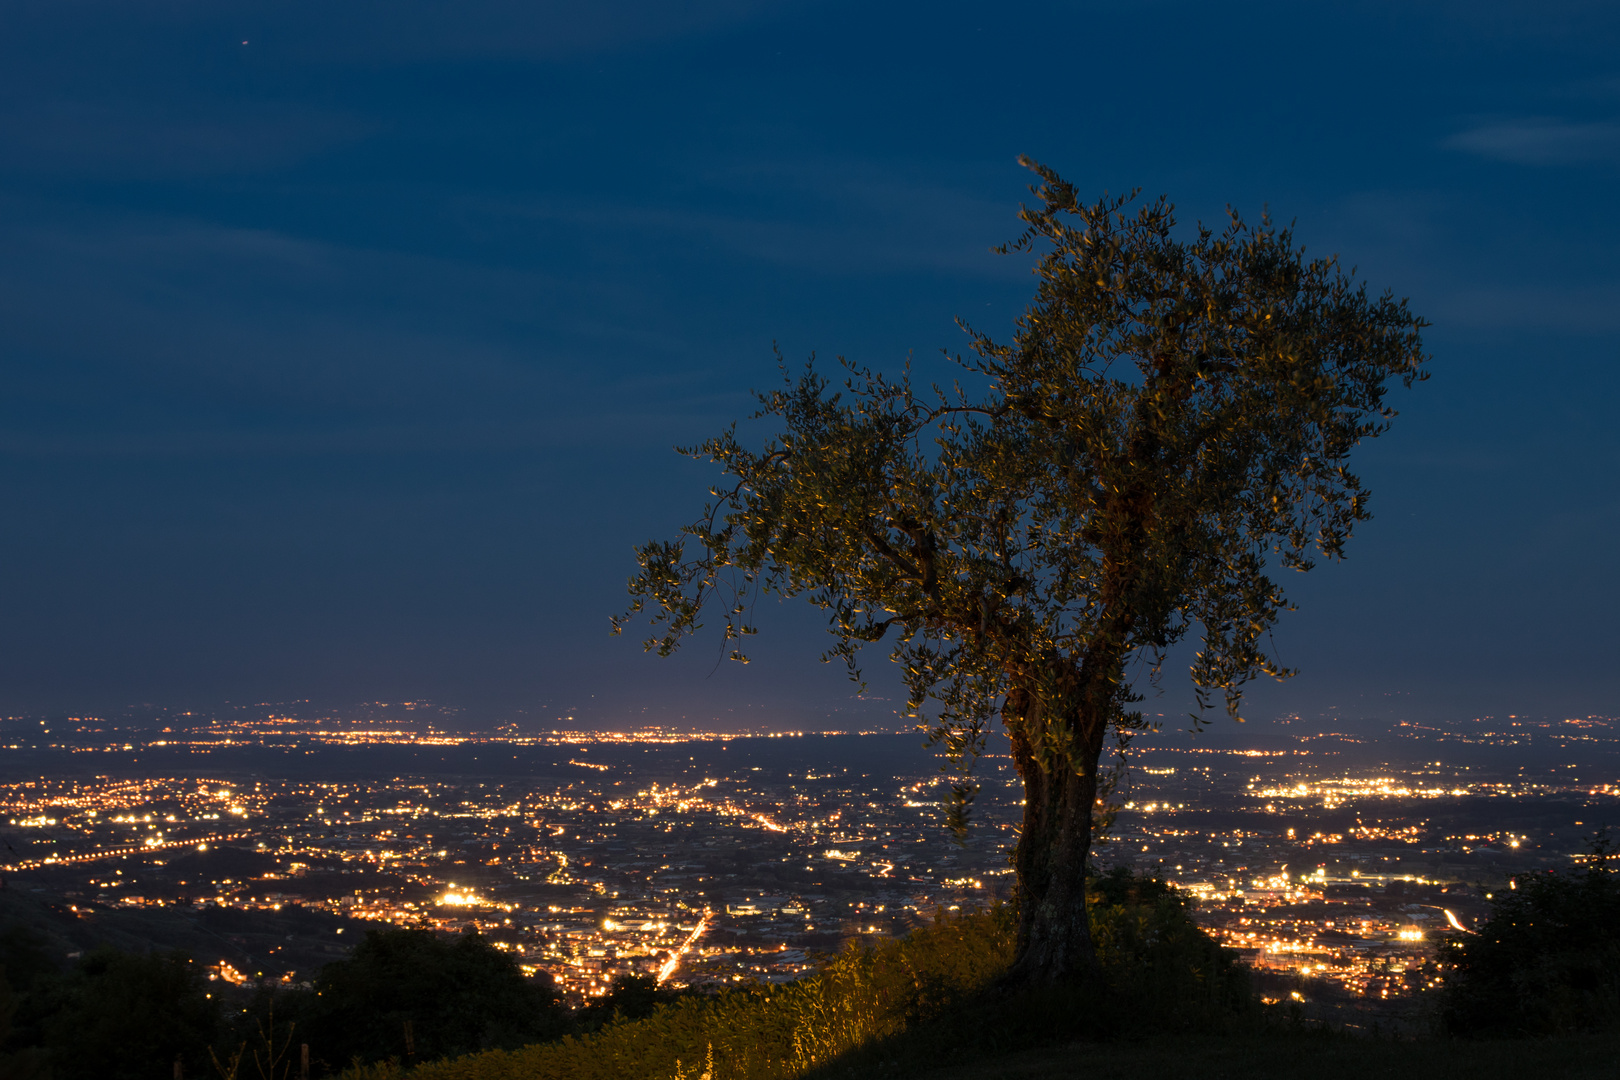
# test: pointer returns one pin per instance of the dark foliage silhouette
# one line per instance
(1547, 960)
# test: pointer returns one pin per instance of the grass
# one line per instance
(920, 999)
(1288, 1056)
(863, 995)
(1171, 1005)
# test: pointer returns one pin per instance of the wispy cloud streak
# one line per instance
(1541, 141)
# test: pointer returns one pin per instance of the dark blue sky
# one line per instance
(343, 344)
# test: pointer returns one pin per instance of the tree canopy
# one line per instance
(409, 993)
(1170, 425)
(127, 1015)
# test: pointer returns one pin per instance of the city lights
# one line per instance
(650, 852)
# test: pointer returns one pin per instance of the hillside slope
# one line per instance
(1287, 1056)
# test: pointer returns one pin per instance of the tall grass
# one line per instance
(930, 992)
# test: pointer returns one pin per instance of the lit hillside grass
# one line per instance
(765, 1032)
(926, 997)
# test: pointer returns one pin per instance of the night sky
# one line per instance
(344, 344)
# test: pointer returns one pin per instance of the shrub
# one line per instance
(129, 1015)
(631, 997)
(1162, 969)
(925, 994)
(1546, 961)
(413, 994)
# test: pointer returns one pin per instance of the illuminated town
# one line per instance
(272, 841)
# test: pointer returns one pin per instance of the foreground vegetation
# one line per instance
(928, 997)
(115, 1014)
(1170, 1003)
(1285, 1053)
(1547, 962)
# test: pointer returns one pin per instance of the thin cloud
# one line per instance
(1541, 141)
(205, 340)
(1582, 310)
(149, 140)
(834, 217)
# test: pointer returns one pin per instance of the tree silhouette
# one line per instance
(411, 994)
(1170, 424)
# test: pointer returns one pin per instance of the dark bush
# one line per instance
(1546, 961)
(413, 995)
(29, 979)
(125, 1015)
(23, 1062)
(1162, 970)
(631, 997)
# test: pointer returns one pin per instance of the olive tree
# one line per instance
(1169, 426)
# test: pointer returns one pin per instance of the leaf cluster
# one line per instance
(1171, 421)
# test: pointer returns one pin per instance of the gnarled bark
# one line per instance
(1054, 927)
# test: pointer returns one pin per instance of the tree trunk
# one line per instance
(1054, 927)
